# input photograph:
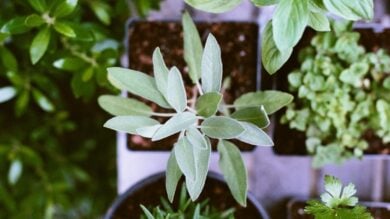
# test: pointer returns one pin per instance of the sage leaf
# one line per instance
(271, 100)
(351, 10)
(15, 171)
(221, 127)
(234, 171)
(273, 58)
(7, 93)
(319, 22)
(129, 124)
(137, 83)
(148, 131)
(211, 66)
(185, 158)
(196, 138)
(214, 6)
(254, 135)
(177, 123)
(64, 29)
(173, 175)
(121, 106)
(207, 104)
(176, 93)
(254, 115)
(260, 3)
(160, 71)
(43, 102)
(65, 8)
(289, 22)
(193, 48)
(39, 45)
(34, 20)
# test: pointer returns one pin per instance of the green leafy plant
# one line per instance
(342, 95)
(197, 120)
(337, 202)
(290, 20)
(186, 209)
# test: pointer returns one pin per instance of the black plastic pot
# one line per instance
(154, 187)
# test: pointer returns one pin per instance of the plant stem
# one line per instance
(199, 88)
(162, 114)
(191, 110)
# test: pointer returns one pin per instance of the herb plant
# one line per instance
(198, 119)
(289, 21)
(337, 202)
(342, 95)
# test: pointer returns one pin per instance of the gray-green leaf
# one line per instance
(351, 10)
(254, 115)
(177, 123)
(148, 131)
(121, 106)
(207, 104)
(176, 93)
(254, 135)
(211, 66)
(271, 100)
(196, 138)
(214, 6)
(160, 71)
(129, 124)
(39, 45)
(173, 175)
(185, 158)
(221, 127)
(147, 213)
(319, 22)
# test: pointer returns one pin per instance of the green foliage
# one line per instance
(186, 209)
(342, 95)
(197, 120)
(337, 202)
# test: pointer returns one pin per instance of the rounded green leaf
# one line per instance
(39, 45)
(214, 6)
(196, 138)
(64, 29)
(176, 93)
(7, 93)
(38, 5)
(211, 66)
(69, 64)
(102, 11)
(254, 115)
(177, 123)
(255, 136)
(207, 104)
(221, 127)
(121, 106)
(8, 59)
(65, 8)
(129, 124)
(271, 100)
(185, 158)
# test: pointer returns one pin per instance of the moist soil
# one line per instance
(215, 191)
(292, 142)
(239, 48)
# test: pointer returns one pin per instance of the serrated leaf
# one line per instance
(255, 136)
(254, 115)
(39, 45)
(176, 93)
(177, 123)
(207, 104)
(15, 171)
(7, 93)
(69, 64)
(38, 5)
(289, 22)
(234, 171)
(351, 10)
(65, 8)
(173, 175)
(260, 3)
(15, 26)
(319, 22)
(137, 83)
(120, 106)
(160, 71)
(43, 102)
(129, 124)
(8, 59)
(273, 59)
(193, 49)
(214, 6)
(271, 100)
(211, 66)
(196, 138)
(221, 127)
(64, 29)
(34, 20)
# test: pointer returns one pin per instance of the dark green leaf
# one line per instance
(34, 20)
(214, 6)
(254, 115)
(65, 8)
(207, 104)
(39, 45)
(15, 26)
(221, 127)
(271, 100)
(8, 59)
(22, 102)
(64, 29)
(38, 5)
(69, 64)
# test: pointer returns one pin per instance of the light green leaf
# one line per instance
(289, 22)
(214, 6)
(38, 5)
(196, 138)
(211, 66)
(234, 171)
(173, 175)
(64, 29)
(15, 171)
(271, 100)
(177, 123)
(317, 6)
(260, 3)
(221, 127)
(34, 20)
(149, 131)
(319, 22)
(129, 124)
(39, 45)
(15, 26)
(43, 101)
(121, 106)
(160, 71)
(7, 93)
(273, 59)
(8, 59)
(254, 115)
(69, 64)
(65, 8)
(386, 83)
(136, 83)
(102, 11)
(176, 93)
(255, 136)
(193, 49)
(147, 213)
(185, 158)
(351, 10)
(207, 104)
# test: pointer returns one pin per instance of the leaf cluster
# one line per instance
(342, 95)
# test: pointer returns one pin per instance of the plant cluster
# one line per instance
(186, 209)
(198, 119)
(337, 202)
(342, 94)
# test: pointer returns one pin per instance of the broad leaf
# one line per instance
(207, 104)
(42, 101)
(196, 138)
(214, 6)
(173, 175)
(273, 59)
(65, 8)
(260, 3)
(160, 71)
(193, 49)
(221, 127)
(137, 83)
(351, 10)
(289, 22)
(15, 26)
(39, 45)
(185, 158)
(254, 135)
(176, 93)
(234, 171)
(211, 66)
(64, 29)
(129, 124)
(319, 22)
(121, 106)
(7, 93)
(271, 100)
(15, 171)
(34, 20)
(254, 115)
(177, 123)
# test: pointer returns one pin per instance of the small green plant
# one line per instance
(197, 119)
(337, 202)
(342, 94)
(186, 209)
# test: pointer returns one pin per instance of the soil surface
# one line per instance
(239, 45)
(217, 192)
(292, 142)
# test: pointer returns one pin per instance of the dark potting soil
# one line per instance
(215, 191)
(292, 142)
(239, 47)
